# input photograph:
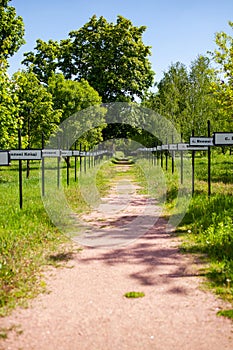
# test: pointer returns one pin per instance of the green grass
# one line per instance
(207, 227)
(28, 239)
(134, 295)
(226, 313)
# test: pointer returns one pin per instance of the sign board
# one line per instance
(182, 146)
(25, 154)
(66, 153)
(76, 153)
(223, 138)
(196, 148)
(82, 153)
(201, 141)
(173, 147)
(164, 147)
(4, 158)
(51, 153)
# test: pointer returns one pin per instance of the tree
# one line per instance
(35, 109)
(11, 38)
(44, 63)
(8, 112)
(11, 32)
(202, 103)
(171, 98)
(223, 89)
(71, 97)
(111, 57)
(186, 97)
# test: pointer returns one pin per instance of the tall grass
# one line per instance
(28, 239)
(208, 224)
(207, 227)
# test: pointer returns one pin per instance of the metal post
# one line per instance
(193, 168)
(80, 157)
(75, 163)
(42, 169)
(181, 164)
(172, 155)
(209, 162)
(20, 174)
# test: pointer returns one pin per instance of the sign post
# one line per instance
(20, 174)
(193, 168)
(209, 161)
(42, 169)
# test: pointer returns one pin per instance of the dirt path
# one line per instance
(86, 308)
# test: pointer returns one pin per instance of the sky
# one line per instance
(177, 30)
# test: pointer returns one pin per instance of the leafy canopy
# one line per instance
(11, 32)
(111, 57)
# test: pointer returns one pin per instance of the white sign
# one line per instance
(172, 147)
(183, 146)
(196, 148)
(75, 153)
(159, 148)
(201, 141)
(82, 153)
(51, 153)
(164, 147)
(67, 153)
(223, 138)
(25, 154)
(4, 158)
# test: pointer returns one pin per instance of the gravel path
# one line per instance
(85, 308)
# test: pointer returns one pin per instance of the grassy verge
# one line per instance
(28, 239)
(207, 227)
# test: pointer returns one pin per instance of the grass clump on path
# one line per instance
(134, 295)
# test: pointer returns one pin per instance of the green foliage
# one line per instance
(35, 109)
(71, 96)
(226, 313)
(8, 111)
(28, 239)
(223, 91)
(186, 98)
(11, 32)
(111, 57)
(44, 63)
(209, 224)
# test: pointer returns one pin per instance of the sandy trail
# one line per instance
(85, 308)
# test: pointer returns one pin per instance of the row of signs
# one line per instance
(197, 143)
(7, 156)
